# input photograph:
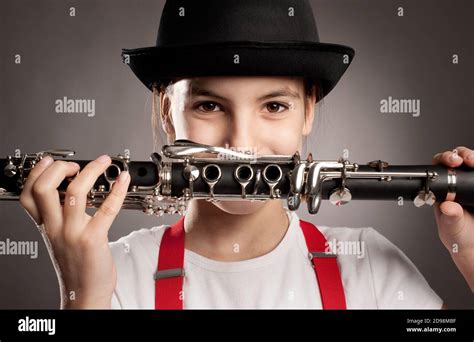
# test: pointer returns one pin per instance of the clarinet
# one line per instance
(187, 170)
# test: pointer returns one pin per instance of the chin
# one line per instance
(240, 207)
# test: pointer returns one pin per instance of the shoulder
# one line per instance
(135, 256)
(142, 235)
(142, 243)
(344, 233)
(370, 262)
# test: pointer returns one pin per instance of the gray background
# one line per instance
(79, 57)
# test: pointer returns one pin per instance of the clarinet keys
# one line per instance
(340, 196)
(211, 174)
(297, 183)
(243, 175)
(10, 169)
(190, 173)
(272, 174)
(293, 201)
(424, 197)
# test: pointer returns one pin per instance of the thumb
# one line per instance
(450, 217)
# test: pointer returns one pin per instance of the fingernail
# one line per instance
(454, 156)
(103, 159)
(437, 155)
(45, 161)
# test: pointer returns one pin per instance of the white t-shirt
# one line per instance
(375, 274)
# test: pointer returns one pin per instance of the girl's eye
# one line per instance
(274, 106)
(208, 106)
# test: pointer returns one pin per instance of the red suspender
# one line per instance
(325, 265)
(170, 273)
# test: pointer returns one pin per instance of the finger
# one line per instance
(76, 193)
(451, 210)
(26, 197)
(107, 212)
(46, 194)
(466, 154)
(448, 158)
(450, 218)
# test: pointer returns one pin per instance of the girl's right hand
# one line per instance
(79, 241)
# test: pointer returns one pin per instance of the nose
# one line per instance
(242, 132)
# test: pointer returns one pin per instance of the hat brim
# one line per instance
(322, 61)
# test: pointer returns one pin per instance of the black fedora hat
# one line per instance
(239, 38)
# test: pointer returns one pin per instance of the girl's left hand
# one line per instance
(456, 224)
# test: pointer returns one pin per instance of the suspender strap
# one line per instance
(326, 268)
(170, 273)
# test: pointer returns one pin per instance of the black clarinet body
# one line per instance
(169, 180)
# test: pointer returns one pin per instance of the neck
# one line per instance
(218, 235)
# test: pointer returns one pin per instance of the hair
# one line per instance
(166, 86)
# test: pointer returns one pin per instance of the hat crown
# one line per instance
(190, 22)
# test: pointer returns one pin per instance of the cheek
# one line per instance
(283, 136)
(203, 131)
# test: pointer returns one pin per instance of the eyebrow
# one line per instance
(286, 91)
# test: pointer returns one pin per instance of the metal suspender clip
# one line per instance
(311, 255)
(174, 272)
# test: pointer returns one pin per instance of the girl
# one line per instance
(246, 74)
